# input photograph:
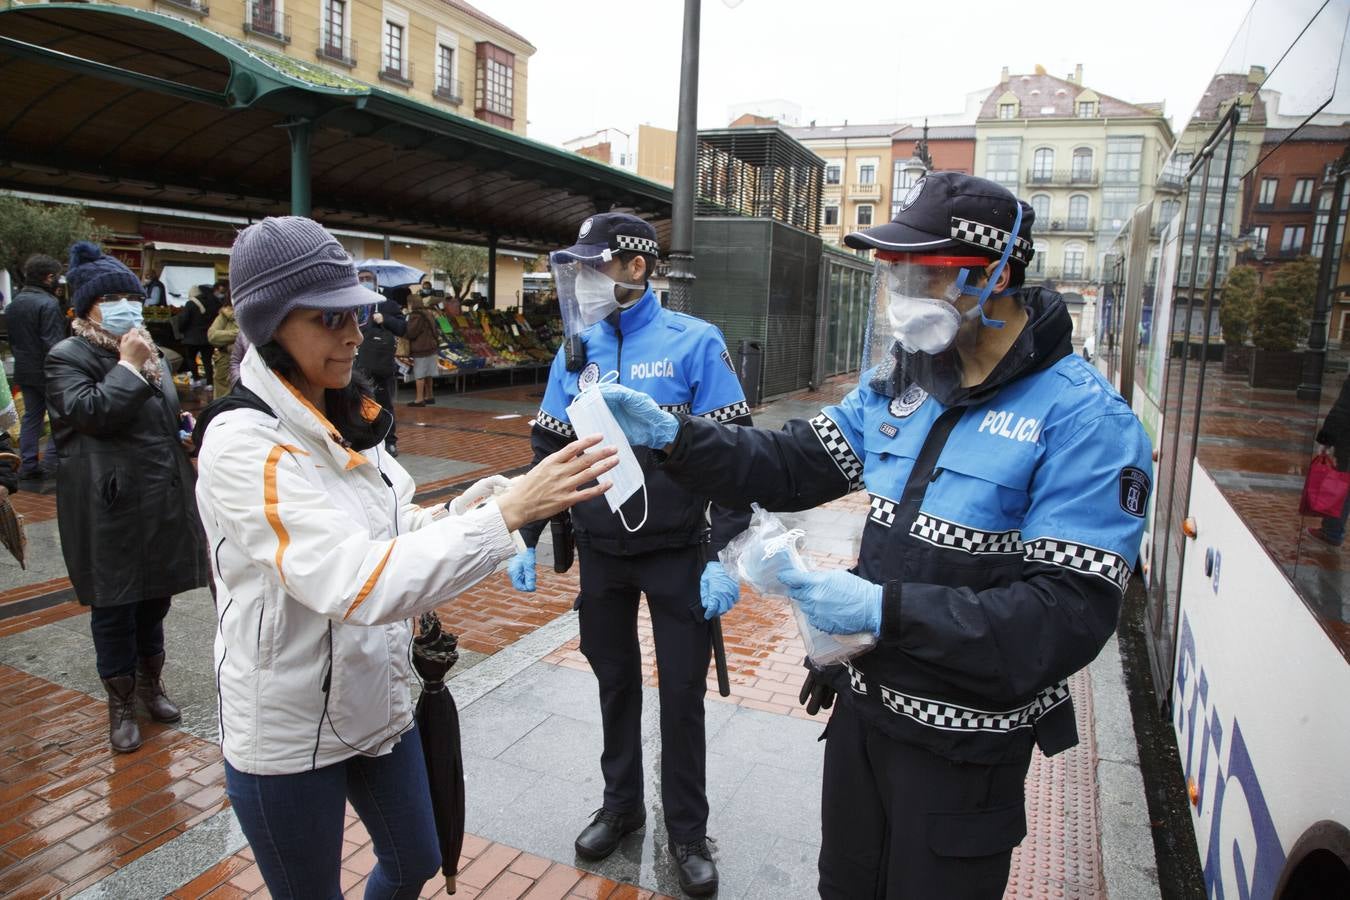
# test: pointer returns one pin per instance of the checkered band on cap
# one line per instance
(987, 237)
(635, 244)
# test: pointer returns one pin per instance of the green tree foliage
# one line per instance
(1284, 308)
(462, 265)
(1237, 304)
(27, 227)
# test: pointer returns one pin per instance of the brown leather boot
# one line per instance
(123, 732)
(151, 689)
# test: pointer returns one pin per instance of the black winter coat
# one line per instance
(375, 357)
(194, 321)
(36, 325)
(1335, 431)
(126, 506)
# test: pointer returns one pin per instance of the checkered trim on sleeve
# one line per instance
(636, 244)
(989, 238)
(676, 409)
(942, 533)
(554, 424)
(1081, 558)
(883, 510)
(727, 413)
(952, 717)
(832, 439)
(855, 679)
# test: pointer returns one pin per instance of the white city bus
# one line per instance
(1247, 616)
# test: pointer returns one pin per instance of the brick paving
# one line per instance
(71, 812)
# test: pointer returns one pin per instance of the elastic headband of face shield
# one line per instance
(987, 291)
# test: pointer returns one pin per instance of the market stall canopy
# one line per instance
(112, 103)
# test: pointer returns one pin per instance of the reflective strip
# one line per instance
(947, 716)
(729, 412)
(883, 510)
(1081, 558)
(272, 504)
(554, 424)
(832, 439)
(370, 583)
(675, 409)
(953, 536)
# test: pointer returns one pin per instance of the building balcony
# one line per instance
(1072, 226)
(1171, 181)
(1059, 275)
(264, 21)
(332, 49)
(1062, 177)
(1289, 252)
(393, 73)
(869, 191)
(196, 7)
(449, 90)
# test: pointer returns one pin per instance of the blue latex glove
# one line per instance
(836, 602)
(718, 590)
(643, 422)
(521, 570)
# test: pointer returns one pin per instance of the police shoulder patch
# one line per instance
(726, 358)
(907, 402)
(1134, 488)
(589, 376)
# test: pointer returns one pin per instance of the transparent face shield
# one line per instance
(586, 295)
(915, 303)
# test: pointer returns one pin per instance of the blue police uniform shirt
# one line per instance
(679, 361)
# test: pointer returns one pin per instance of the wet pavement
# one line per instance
(76, 818)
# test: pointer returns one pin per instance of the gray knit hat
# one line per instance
(286, 262)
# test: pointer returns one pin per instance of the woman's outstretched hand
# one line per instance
(555, 484)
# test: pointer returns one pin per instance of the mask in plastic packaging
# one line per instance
(758, 555)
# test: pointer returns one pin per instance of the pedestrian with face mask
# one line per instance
(1009, 484)
(124, 504)
(193, 323)
(663, 541)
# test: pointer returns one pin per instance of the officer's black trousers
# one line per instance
(608, 611)
(900, 822)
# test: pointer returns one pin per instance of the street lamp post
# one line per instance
(686, 166)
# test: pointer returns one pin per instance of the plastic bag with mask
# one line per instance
(758, 555)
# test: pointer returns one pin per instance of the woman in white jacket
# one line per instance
(320, 559)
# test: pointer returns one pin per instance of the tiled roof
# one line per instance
(1222, 89)
(936, 133)
(839, 132)
(1335, 133)
(1047, 97)
(476, 13)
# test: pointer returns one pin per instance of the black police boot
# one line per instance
(698, 872)
(600, 838)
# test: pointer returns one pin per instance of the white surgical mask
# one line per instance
(923, 325)
(595, 294)
(589, 414)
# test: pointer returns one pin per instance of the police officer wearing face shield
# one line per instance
(1008, 485)
(663, 542)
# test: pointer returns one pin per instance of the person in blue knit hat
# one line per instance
(125, 506)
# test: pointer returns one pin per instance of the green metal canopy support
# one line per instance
(492, 273)
(299, 130)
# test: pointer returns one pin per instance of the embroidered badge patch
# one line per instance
(589, 376)
(1134, 488)
(726, 358)
(909, 401)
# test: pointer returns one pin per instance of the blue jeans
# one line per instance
(1334, 529)
(294, 823)
(30, 431)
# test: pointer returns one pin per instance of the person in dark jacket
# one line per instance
(423, 340)
(156, 294)
(1334, 436)
(375, 356)
(125, 503)
(193, 324)
(1009, 485)
(36, 325)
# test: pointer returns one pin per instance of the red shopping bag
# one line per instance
(1324, 489)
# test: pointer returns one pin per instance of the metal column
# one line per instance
(492, 272)
(686, 165)
(299, 131)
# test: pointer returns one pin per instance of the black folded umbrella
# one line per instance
(434, 654)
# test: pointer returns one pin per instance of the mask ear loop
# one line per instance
(646, 508)
(987, 291)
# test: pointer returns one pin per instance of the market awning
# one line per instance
(188, 248)
(202, 122)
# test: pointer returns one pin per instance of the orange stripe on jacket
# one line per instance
(370, 583)
(354, 459)
(271, 503)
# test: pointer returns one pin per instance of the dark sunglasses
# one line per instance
(336, 319)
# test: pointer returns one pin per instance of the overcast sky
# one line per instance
(615, 63)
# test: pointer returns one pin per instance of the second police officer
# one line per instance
(663, 542)
(1008, 483)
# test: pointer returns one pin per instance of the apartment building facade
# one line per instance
(858, 173)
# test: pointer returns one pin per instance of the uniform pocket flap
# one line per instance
(979, 833)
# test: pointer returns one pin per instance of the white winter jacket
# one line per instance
(320, 559)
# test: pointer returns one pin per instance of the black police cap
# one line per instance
(952, 211)
(612, 231)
